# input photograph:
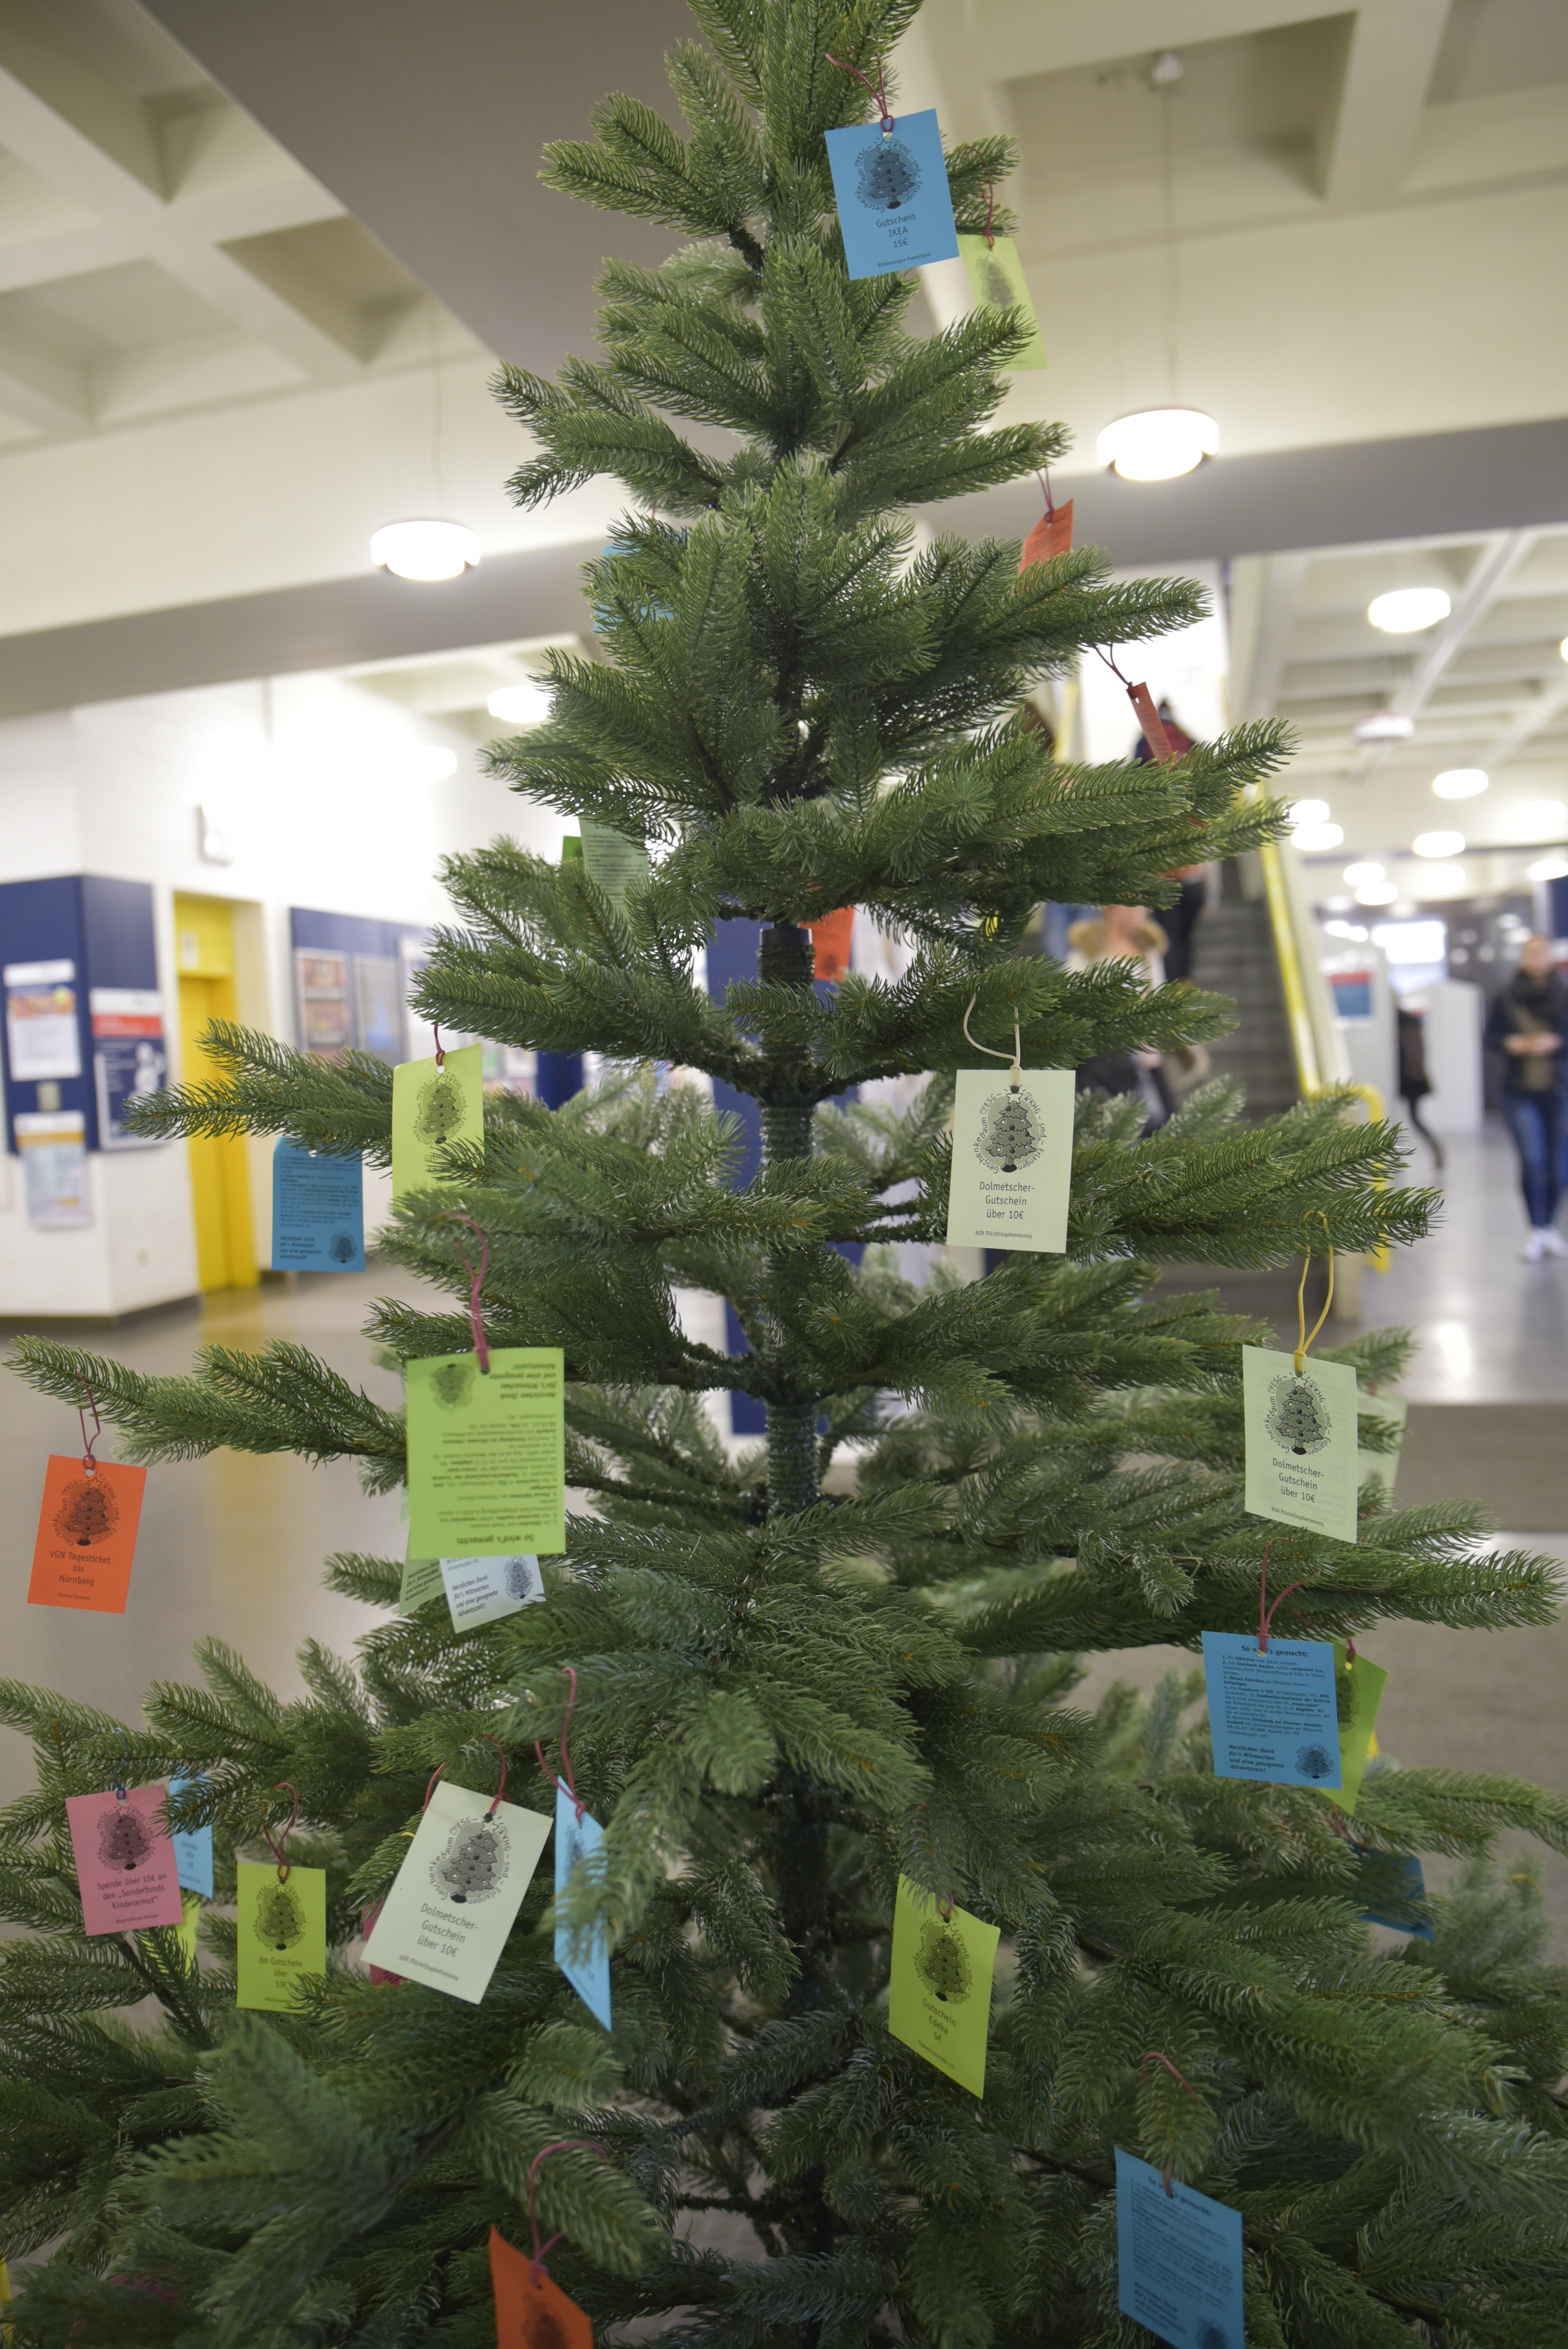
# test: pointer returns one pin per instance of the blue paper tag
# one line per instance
(1410, 1884)
(318, 1210)
(585, 1967)
(892, 192)
(192, 1850)
(1178, 2258)
(1272, 1715)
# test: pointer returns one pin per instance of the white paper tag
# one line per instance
(1300, 1441)
(481, 1589)
(1012, 1161)
(446, 1919)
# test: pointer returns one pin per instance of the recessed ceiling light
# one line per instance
(1543, 815)
(1438, 844)
(1550, 868)
(1384, 725)
(1461, 782)
(1405, 609)
(424, 548)
(1310, 811)
(1156, 444)
(1312, 839)
(1355, 931)
(1357, 874)
(1562, 647)
(520, 704)
(1377, 893)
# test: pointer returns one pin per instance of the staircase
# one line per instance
(1233, 955)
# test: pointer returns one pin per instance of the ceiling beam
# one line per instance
(1532, 719)
(1499, 557)
(1014, 38)
(1392, 48)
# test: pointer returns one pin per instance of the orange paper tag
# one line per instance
(1052, 536)
(87, 1536)
(1155, 733)
(529, 2315)
(830, 942)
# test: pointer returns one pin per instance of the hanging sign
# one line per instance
(434, 1103)
(193, 1845)
(1012, 1160)
(282, 1920)
(1273, 1716)
(483, 1589)
(86, 1535)
(131, 1060)
(446, 1919)
(1178, 2258)
(583, 1959)
(421, 1582)
(532, 2311)
(1300, 1442)
(487, 1453)
(611, 861)
(125, 1860)
(318, 1210)
(41, 1029)
(998, 281)
(891, 187)
(939, 1995)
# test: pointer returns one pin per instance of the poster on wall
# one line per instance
(324, 1012)
(130, 1059)
(41, 1020)
(53, 1147)
(378, 1003)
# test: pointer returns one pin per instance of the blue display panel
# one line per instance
(64, 942)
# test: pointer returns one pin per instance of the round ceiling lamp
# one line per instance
(1157, 444)
(1359, 874)
(1461, 782)
(1383, 726)
(1309, 812)
(1550, 868)
(1377, 893)
(1404, 610)
(520, 704)
(1315, 839)
(1438, 844)
(424, 547)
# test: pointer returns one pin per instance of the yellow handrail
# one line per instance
(1302, 1042)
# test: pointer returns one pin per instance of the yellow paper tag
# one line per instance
(998, 281)
(1358, 1733)
(487, 1455)
(282, 1933)
(189, 1926)
(431, 1107)
(939, 1997)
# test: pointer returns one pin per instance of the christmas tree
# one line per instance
(807, 1667)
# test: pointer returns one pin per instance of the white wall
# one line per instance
(326, 793)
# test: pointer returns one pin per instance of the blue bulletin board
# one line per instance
(83, 1024)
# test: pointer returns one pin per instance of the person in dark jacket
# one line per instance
(1526, 1025)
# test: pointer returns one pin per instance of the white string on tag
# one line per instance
(1015, 1073)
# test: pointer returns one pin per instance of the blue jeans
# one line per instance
(1540, 1130)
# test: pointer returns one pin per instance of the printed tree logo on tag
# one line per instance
(1297, 1414)
(472, 1868)
(1011, 1132)
(278, 1918)
(518, 1577)
(1212, 2336)
(440, 1113)
(996, 289)
(341, 1248)
(450, 1384)
(88, 1512)
(125, 1838)
(942, 1963)
(887, 175)
(1314, 1761)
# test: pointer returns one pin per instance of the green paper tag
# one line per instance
(1366, 1682)
(939, 1997)
(1383, 1466)
(998, 281)
(1012, 1161)
(421, 1580)
(431, 1107)
(1300, 1442)
(189, 1927)
(487, 1455)
(612, 861)
(282, 1933)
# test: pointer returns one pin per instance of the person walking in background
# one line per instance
(1125, 934)
(1414, 1082)
(1526, 1026)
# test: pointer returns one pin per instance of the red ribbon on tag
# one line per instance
(1052, 536)
(1155, 733)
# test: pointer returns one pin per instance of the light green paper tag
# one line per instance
(190, 1925)
(939, 1996)
(456, 1895)
(1012, 1161)
(1383, 1466)
(282, 1933)
(421, 1580)
(998, 281)
(1300, 1441)
(487, 1455)
(1367, 1681)
(431, 1107)
(613, 861)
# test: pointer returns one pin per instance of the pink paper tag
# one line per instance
(125, 1860)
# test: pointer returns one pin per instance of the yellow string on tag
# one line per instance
(1015, 1073)
(1302, 1341)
